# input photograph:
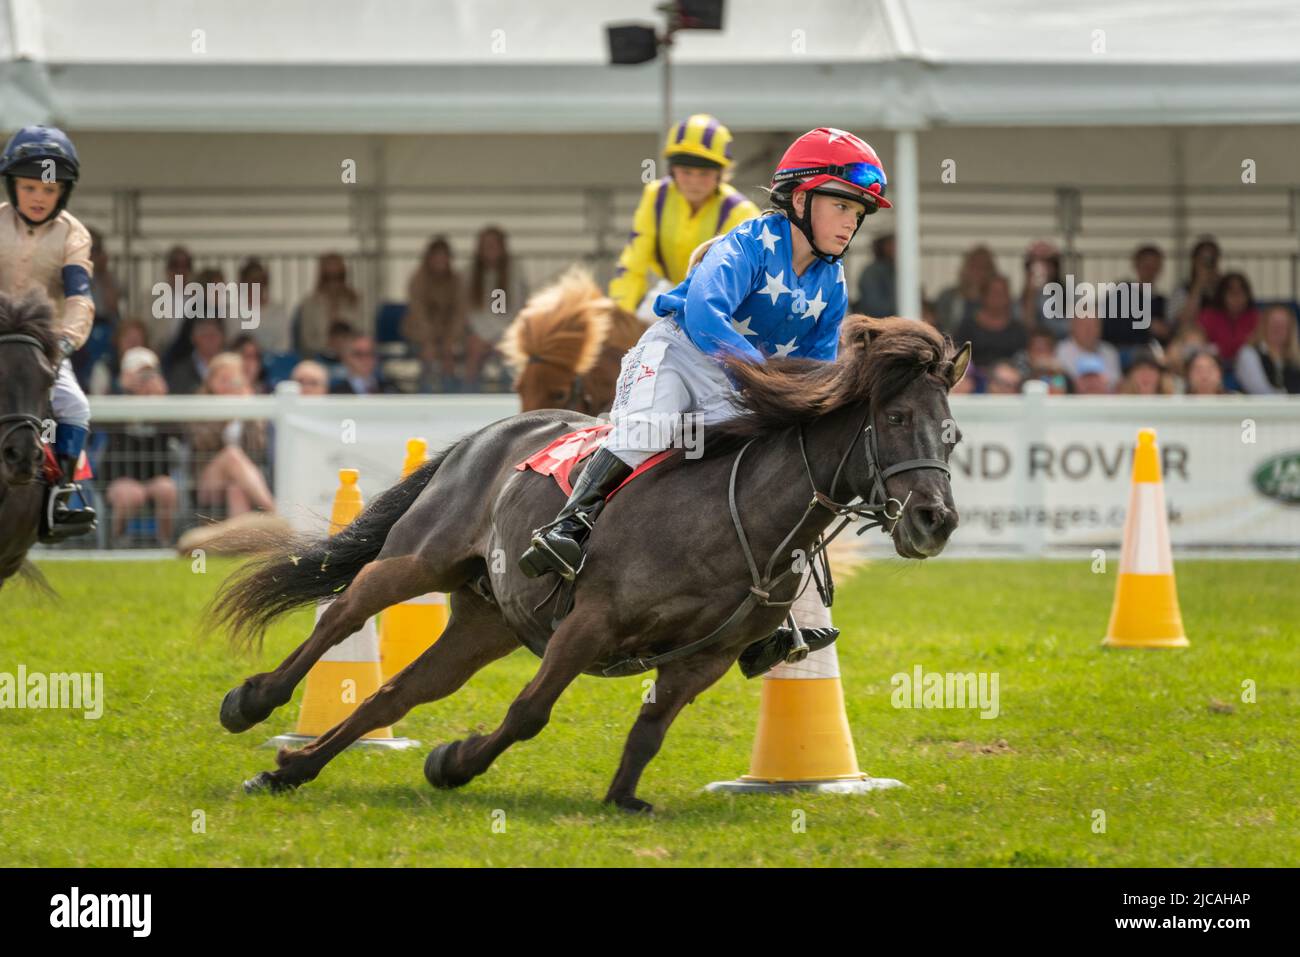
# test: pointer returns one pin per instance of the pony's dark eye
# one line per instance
(894, 418)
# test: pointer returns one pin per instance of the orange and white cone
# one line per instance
(1145, 613)
(803, 741)
(349, 672)
(406, 630)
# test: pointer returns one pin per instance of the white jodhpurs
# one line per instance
(67, 400)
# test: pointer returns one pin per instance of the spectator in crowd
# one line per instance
(272, 330)
(312, 377)
(1198, 291)
(1004, 378)
(435, 320)
(225, 452)
(876, 293)
(496, 294)
(165, 332)
(108, 299)
(992, 332)
(105, 375)
(960, 302)
(1270, 363)
(1128, 333)
(1204, 374)
(340, 334)
(213, 304)
(1085, 339)
(332, 301)
(247, 348)
(1042, 266)
(1038, 359)
(1185, 342)
(1146, 376)
(1092, 375)
(360, 376)
(207, 340)
(135, 466)
(1230, 319)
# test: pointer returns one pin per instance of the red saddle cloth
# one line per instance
(561, 455)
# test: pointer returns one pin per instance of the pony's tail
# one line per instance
(303, 570)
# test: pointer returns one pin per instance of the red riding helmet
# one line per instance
(833, 162)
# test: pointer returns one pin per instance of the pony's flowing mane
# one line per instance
(30, 315)
(565, 323)
(878, 359)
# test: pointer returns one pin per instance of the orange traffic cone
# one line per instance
(803, 741)
(349, 672)
(1145, 613)
(408, 629)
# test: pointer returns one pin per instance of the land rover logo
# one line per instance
(1279, 478)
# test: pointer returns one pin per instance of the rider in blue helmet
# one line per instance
(44, 246)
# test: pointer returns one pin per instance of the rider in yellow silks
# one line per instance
(678, 212)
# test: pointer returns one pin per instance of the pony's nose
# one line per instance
(935, 520)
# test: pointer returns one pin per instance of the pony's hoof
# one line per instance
(266, 783)
(232, 715)
(435, 767)
(634, 805)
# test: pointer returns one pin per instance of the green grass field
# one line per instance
(1185, 772)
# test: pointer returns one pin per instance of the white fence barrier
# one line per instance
(1034, 474)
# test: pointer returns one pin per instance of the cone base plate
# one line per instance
(379, 744)
(850, 786)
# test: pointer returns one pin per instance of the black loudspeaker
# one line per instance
(632, 43)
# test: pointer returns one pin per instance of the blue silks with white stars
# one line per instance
(744, 297)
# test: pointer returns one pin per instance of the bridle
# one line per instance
(878, 507)
(577, 392)
(21, 420)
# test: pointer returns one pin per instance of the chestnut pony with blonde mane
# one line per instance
(566, 346)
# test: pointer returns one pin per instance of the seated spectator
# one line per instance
(1038, 359)
(272, 329)
(1123, 332)
(359, 364)
(1085, 339)
(1185, 342)
(435, 320)
(1230, 319)
(992, 332)
(1042, 266)
(214, 304)
(1146, 376)
(960, 302)
(1198, 292)
(496, 294)
(135, 466)
(105, 374)
(876, 295)
(332, 301)
(207, 340)
(312, 378)
(165, 332)
(247, 348)
(1204, 374)
(225, 451)
(1004, 379)
(1092, 375)
(1270, 363)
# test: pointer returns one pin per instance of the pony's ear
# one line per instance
(857, 333)
(959, 364)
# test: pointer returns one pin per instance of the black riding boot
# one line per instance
(59, 521)
(558, 547)
(766, 653)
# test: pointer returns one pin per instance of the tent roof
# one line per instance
(509, 65)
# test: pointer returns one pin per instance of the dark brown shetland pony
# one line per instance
(29, 356)
(566, 345)
(664, 568)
